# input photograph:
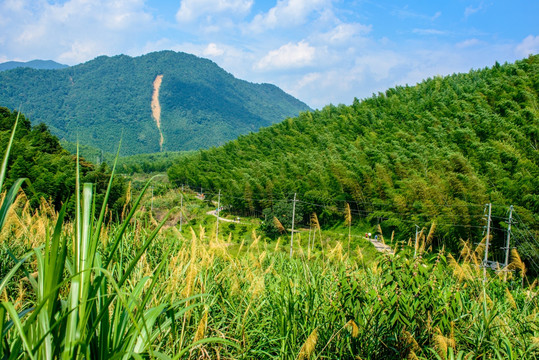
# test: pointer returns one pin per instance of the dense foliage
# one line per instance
(37, 155)
(435, 151)
(201, 104)
(138, 163)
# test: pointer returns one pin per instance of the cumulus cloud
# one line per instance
(470, 10)
(528, 46)
(288, 56)
(344, 33)
(406, 13)
(288, 13)
(191, 10)
(429, 32)
(468, 43)
(378, 64)
(213, 50)
(74, 30)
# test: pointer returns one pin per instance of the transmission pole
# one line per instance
(218, 210)
(293, 217)
(508, 236)
(181, 209)
(487, 243)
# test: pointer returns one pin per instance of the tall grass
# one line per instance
(82, 300)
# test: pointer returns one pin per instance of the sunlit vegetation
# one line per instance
(437, 151)
(162, 294)
(37, 156)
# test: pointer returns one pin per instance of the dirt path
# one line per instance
(381, 247)
(214, 213)
(156, 107)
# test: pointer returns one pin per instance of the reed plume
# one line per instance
(354, 329)
(431, 233)
(308, 347)
(201, 329)
(510, 298)
(517, 264)
(442, 343)
(348, 215)
(278, 225)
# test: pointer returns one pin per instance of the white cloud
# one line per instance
(345, 33)
(528, 46)
(378, 64)
(288, 13)
(288, 56)
(213, 50)
(406, 13)
(468, 43)
(191, 10)
(429, 32)
(74, 30)
(470, 10)
(80, 51)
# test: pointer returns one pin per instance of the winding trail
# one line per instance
(381, 247)
(156, 108)
(214, 213)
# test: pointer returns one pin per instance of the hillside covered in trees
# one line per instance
(33, 64)
(437, 151)
(37, 155)
(196, 105)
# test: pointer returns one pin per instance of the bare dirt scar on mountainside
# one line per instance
(156, 107)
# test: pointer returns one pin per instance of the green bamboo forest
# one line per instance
(411, 155)
(257, 249)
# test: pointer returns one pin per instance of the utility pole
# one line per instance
(487, 243)
(293, 218)
(508, 237)
(151, 206)
(415, 245)
(218, 211)
(181, 209)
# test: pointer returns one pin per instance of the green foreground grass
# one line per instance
(192, 295)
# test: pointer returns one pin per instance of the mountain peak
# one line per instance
(201, 105)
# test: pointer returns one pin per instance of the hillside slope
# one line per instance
(200, 104)
(435, 151)
(37, 156)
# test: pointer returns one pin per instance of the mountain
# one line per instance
(438, 151)
(34, 64)
(162, 101)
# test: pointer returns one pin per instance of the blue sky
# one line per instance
(321, 51)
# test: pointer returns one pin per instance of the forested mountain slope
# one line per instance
(160, 101)
(37, 155)
(435, 151)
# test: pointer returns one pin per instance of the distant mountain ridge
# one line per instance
(162, 101)
(33, 64)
